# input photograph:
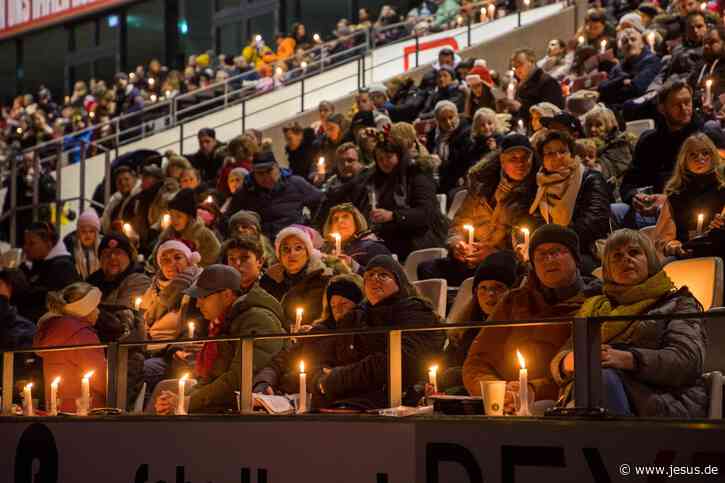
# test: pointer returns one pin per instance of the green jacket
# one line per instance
(255, 312)
(447, 12)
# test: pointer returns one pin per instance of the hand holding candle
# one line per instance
(181, 396)
(338, 244)
(523, 387)
(302, 401)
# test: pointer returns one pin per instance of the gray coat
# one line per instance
(670, 357)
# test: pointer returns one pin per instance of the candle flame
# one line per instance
(151, 81)
(581, 39)
(468, 227)
(700, 217)
(258, 38)
(191, 326)
(708, 83)
(55, 382)
(127, 229)
(302, 367)
(433, 369)
(29, 386)
(703, 6)
(321, 162)
(137, 302)
(525, 231)
(185, 377)
(166, 220)
(209, 199)
(336, 236)
(522, 361)
(300, 311)
(604, 43)
(316, 37)
(279, 70)
(88, 375)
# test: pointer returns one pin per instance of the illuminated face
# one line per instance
(699, 160)
(379, 284)
(87, 235)
(189, 179)
(207, 144)
(678, 108)
(447, 120)
(516, 163)
(555, 266)
(293, 254)
(246, 263)
(340, 306)
(627, 264)
(556, 156)
(343, 223)
(597, 128)
(179, 220)
(172, 263)
(488, 294)
(114, 262)
(125, 182)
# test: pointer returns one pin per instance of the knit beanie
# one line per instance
(244, 218)
(499, 266)
(293, 231)
(193, 257)
(388, 263)
(185, 202)
(344, 288)
(634, 21)
(90, 218)
(315, 237)
(117, 240)
(238, 173)
(552, 233)
(442, 105)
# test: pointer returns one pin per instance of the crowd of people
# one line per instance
(554, 190)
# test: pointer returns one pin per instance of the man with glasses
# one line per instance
(555, 288)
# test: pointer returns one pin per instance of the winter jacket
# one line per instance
(539, 87)
(640, 70)
(115, 207)
(453, 170)
(303, 160)
(254, 312)
(407, 103)
(56, 272)
(592, 212)
(71, 365)
(16, 332)
(493, 353)
(454, 93)
(86, 261)
(670, 357)
(144, 210)
(279, 207)
(362, 248)
(124, 289)
(614, 155)
(206, 241)
(209, 165)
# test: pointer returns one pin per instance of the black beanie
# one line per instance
(500, 266)
(185, 202)
(552, 233)
(388, 263)
(344, 288)
(117, 240)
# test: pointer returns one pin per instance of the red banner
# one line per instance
(18, 16)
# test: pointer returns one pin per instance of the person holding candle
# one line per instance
(697, 187)
(336, 127)
(710, 70)
(127, 184)
(299, 279)
(348, 164)
(650, 368)
(487, 132)
(218, 364)
(72, 314)
(554, 288)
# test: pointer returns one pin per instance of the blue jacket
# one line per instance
(641, 70)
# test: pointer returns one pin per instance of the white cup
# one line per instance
(493, 393)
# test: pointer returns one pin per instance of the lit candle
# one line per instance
(511, 91)
(153, 98)
(483, 14)
(209, 199)
(459, 20)
(302, 402)
(703, 6)
(470, 230)
(85, 394)
(28, 400)
(338, 243)
(137, 303)
(321, 166)
(303, 64)
(523, 386)
(54, 396)
(132, 76)
(433, 378)
(492, 11)
(181, 396)
(165, 221)
(192, 326)
(581, 40)
(127, 229)
(278, 71)
(298, 320)
(316, 38)
(700, 221)
(373, 200)
(604, 46)
(651, 40)
(258, 38)
(522, 129)
(708, 92)
(151, 81)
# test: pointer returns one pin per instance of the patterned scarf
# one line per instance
(557, 193)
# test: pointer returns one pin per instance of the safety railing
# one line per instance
(585, 332)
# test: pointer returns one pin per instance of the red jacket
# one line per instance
(71, 365)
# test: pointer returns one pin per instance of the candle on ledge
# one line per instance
(165, 221)
(511, 91)
(338, 244)
(181, 396)
(321, 166)
(708, 92)
(85, 405)
(54, 396)
(137, 303)
(433, 377)
(603, 47)
(298, 320)
(192, 326)
(28, 400)
(302, 402)
(471, 231)
(523, 386)
(700, 222)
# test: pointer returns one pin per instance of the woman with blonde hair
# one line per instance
(404, 134)
(614, 147)
(487, 131)
(357, 242)
(650, 367)
(697, 187)
(70, 320)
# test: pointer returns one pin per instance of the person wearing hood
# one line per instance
(502, 188)
(16, 331)
(218, 364)
(447, 89)
(300, 149)
(299, 279)
(554, 288)
(70, 320)
(126, 183)
(390, 300)
(275, 194)
(48, 267)
(186, 226)
(650, 367)
(83, 243)
(451, 142)
(358, 244)
(572, 195)
(248, 223)
(235, 181)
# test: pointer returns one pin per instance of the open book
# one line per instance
(273, 404)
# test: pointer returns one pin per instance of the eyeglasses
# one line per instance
(377, 276)
(554, 253)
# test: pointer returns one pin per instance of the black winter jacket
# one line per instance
(302, 160)
(539, 87)
(590, 219)
(459, 162)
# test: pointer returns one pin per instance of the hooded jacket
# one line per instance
(455, 168)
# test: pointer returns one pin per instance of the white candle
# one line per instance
(483, 14)
(703, 6)
(298, 319)
(700, 221)
(604, 46)
(302, 402)
(181, 396)
(492, 11)
(192, 326)
(471, 231)
(54, 396)
(525, 232)
(209, 199)
(137, 303)
(165, 221)
(651, 40)
(316, 38)
(338, 243)
(522, 129)
(85, 405)
(127, 229)
(373, 199)
(321, 166)
(581, 40)
(28, 400)
(708, 92)
(511, 91)
(433, 378)
(523, 386)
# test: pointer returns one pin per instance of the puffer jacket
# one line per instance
(124, 289)
(640, 71)
(670, 355)
(592, 212)
(207, 244)
(453, 170)
(615, 155)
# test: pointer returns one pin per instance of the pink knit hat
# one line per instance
(90, 218)
(299, 232)
(193, 257)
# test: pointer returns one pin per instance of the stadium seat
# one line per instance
(419, 256)
(715, 362)
(442, 201)
(456, 203)
(435, 290)
(703, 276)
(640, 126)
(462, 297)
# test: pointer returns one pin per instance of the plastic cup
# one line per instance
(493, 393)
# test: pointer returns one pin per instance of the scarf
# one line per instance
(557, 193)
(208, 355)
(443, 146)
(86, 259)
(622, 300)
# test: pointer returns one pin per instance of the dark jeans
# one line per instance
(615, 397)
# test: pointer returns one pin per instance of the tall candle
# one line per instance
(181, 396)
(581, 40)
(373, 199)
(700, 221)
(603, 47)
(708, 92)
(127, 229)
(433, 378)
(165, 221)
(338, 243)
(523, 386)
(522, 129)
(28, 400)
(492, 11)
(651, 40)
(85, 405)
(302, 402)
(298, 319)
(54, 396)
(192, 326)
(470, 230)
(137, 303)
(511, 91)
(321, 166)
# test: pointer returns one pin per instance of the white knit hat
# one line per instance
(193, 257)
(293, 231)
(90, 217)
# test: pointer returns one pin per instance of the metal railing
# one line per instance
(586, 338)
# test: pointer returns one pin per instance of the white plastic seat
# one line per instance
(463, 296)
(435, 290)
(703, 276)
(456, 203)
(639, 126)
(419, 256)
(442, 201)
